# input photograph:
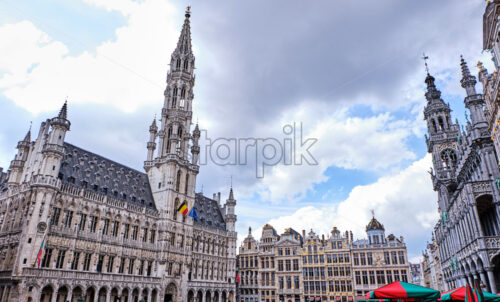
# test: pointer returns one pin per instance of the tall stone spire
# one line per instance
(168, 163)
(177, 109)
(184, 43)
(473, 101)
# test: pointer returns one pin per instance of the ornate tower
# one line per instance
(17, 165)
(172, 173)
(444, 136)
(474, 102)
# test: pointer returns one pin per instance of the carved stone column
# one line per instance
(491, 277)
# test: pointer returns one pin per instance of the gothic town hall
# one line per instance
(75, 226)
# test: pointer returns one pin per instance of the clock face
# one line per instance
(42, 226)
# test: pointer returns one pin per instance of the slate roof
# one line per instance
(88, 170)
(209, 212)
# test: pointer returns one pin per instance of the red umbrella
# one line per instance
(403, 290)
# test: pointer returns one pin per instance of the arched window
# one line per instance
(186, 185)
(434, 127)
(178, 64)
(178, 181)
(183, 92)
(441, 123)
(176, 206)
(174, 98)
(186, 64)
(449, 158)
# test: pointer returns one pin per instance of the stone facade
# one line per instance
(292, 267)
(431, 268)
(111, 233)
(378, 260)
(467, 180)
(416, 274)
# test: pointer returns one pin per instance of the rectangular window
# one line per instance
(60, 259)
(68, 217)
(121, 268)
(288, 265)
(288, 282)
(100, 262)
(372, 277)
(150, 267)
(126, 228)
(346, 258)
(336, 271)
(55, 216)
(141, 268)
(144, 234)
(404, 277)
(295, 264)
(389, 276)
(358, 278)
(76, 259)
(380, 277)
(330, 286)
(109, 267)
(296, 282)
(105, 228)
(396, 275)
(83, 220)
(131, 266)
(401, 257)
(369, 258)
(93, 224)
(46, 258)
(363, 258)
(330, 271)
(394, 258)
(152, 237)
(114, 230)
(86, 261)
(387, 258)
(356, 258)
(280, 265)
(280, 281)
(321, 259)
(134, 232)
(365, 277)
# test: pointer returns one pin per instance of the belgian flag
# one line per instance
(183, 208)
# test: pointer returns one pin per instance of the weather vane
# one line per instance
(425, 58)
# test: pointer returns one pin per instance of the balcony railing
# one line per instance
(44, 273)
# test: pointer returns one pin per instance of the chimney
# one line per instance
(218, 197)
(214, 197)
(323, 237)
(304, 233)
(351, 236)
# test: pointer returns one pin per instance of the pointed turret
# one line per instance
(473, 101)
(153, 130)
(184, 43)
(63, 113)
(230, 216)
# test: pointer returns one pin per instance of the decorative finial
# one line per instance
(249, 230)
(425, 58)
(201, 188)
(480, 65)
(231, 181)
(31, 124)
(188, 11)
(373, 213)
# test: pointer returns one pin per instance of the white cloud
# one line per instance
(405, 203)
(125, 72)
(374, 143)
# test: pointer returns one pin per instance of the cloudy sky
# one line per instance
(350, 72)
